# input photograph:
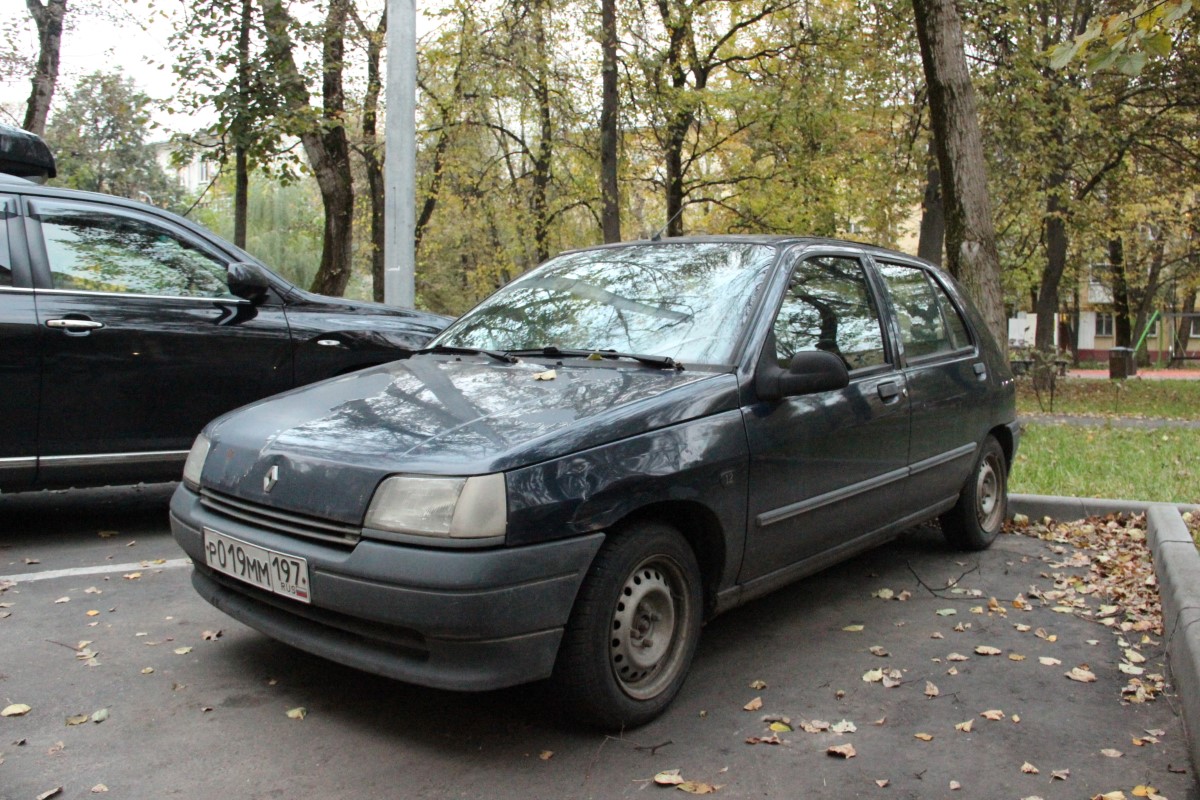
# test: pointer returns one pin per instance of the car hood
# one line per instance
(333, 442)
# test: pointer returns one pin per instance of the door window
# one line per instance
(6, 275)
(828, 306)
(929, 322)
(97, 251)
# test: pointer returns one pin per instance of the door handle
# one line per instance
(888, 392)
(980, 369)
(74, 325)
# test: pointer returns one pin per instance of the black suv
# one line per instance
(125, 328)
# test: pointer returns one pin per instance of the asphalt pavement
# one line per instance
(197, 705)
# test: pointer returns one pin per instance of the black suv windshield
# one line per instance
(688, 301)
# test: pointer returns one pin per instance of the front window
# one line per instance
(929, 322)
(689, 301)
(1104, 324)
(93, 250)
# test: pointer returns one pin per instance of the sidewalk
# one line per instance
(1147, 374)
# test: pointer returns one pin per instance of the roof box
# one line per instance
(24, 154)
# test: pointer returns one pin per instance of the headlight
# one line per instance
(195, 461)
(455, 508)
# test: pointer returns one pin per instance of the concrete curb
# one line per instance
(1177, 567)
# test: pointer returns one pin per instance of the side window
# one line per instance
(929, 322)
(98, 251)
(6, 275)
(829, 307)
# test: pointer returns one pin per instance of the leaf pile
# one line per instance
(1118, 588)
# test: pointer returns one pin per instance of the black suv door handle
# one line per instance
(980, 369)
(75, 326)
(888, 392)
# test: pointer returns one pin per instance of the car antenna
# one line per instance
(658, 236)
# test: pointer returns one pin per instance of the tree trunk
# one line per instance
(933, 213)
(1055, 228)
(325, 143)
(241, 134)
(1183, 334)
(1122, 329)
(970, 234)
(49, 21)
(610, 213)
(373, 163)
(542, 160)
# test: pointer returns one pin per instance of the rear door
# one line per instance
(947, 381)
(19, 366)
(828, 468)
(141, 341)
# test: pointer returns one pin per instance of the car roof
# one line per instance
(774, 240)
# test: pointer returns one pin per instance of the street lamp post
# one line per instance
(399, 166)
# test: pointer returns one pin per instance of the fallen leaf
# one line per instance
(147, 670)
(76, 719)
(1029, 769)
(936, 635)
(1022, 628)
(210, 636)
(1015, 657)
(873, 676)
(1144, 791)
(548, 375)
(955, 786)
(182, 651)
(853, 628)
(56, 602)
(99, 715)
(93, 613)
(1081, 674)
(772, 739)
(946, 612)
(876, 650)
(1060, 774)
(15, 710)
(965, 727)
(931, 690)
(758, 685)
(1135, 657)
(1111, 753)
(300, 712)
(99, 788)
(1048, 661)
(842, 751)
(668, 777)
(987, 650)
(693, 787)
(546, 755)
(882, 784)
(993, 714)
(753, 705)
(845, 726)
(957, 657)
(780, 727)
(924, 737)
(1110, 796)
(46, 795)
(132, 576)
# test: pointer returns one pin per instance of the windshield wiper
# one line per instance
(446, 349)
(661, 362)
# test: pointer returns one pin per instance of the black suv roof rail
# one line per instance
(24, 154)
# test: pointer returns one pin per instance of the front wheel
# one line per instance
(982, 505)
(632, 634)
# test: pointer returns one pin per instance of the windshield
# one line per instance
(688, 301)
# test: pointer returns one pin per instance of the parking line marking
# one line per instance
(29, 577)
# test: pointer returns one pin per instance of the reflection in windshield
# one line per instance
(688, 301)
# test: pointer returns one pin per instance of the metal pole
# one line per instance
(399, 166)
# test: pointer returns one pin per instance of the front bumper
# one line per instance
(451, 619)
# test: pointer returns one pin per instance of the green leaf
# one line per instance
(1132, 64)
(1063, 54)
(1158, 45)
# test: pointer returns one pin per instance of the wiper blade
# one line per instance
(445, 349)
(661, 362)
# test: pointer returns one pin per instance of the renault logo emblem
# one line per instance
(271, 478)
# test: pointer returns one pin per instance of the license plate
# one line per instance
(267, 569)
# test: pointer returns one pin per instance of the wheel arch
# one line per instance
(700, 528)
(1008, 444)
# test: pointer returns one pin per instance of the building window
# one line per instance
(1195, 327)
(1104, 324)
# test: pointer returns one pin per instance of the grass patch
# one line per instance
(1118, 463)
(1130, 398)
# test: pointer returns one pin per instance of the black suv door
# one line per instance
(19, 366)
(141, 342)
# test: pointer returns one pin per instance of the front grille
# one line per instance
(301, 526)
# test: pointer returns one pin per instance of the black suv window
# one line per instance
(828, 306)
(6, 275)
(929, 322)
(92, 250)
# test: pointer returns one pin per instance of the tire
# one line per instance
(982, 506)
(632, 633)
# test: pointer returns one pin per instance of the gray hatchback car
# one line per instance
(610, 450)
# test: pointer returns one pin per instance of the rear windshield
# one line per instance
(689, 301)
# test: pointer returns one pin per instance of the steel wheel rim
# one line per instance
(989, 493)
(650, 618)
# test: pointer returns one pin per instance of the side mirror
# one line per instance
(810, 371)
(248, 282)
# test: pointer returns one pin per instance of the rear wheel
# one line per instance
(632, 634)
(982, 505)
